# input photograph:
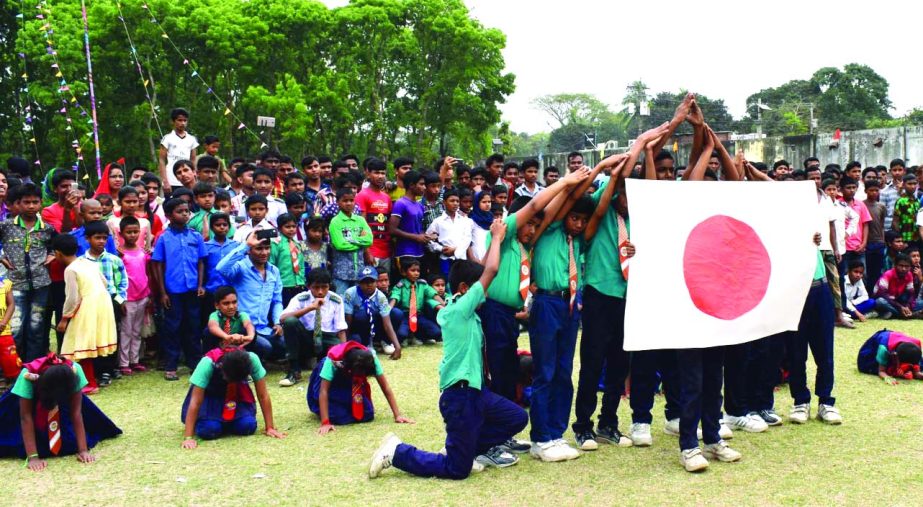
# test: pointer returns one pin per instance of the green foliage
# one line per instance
(385, 77)
(580, 117)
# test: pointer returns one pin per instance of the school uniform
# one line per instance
(226, 408)
(288, 255)
(815, 330)
(876, 352)
(179, 250)
(411, 301)
(475, 418)
(349, 397)
(305, 334)
(96, 425)
(230, 325)
(553, 325)
(367, 315)
(214, 252)
(603, 325)
(508, 293)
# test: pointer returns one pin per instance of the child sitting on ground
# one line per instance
(368, 315)
(224, 403)
(228, 327)
(339, 390)
(409, 298)
(895, 293)
(46, 415)
(891, 355)
(858, 303)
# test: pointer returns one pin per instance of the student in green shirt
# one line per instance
(407, 318)
(287, 254)
(226, 325)
(477, 421)
(350, 235)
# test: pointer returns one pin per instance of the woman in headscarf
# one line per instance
(482, 217)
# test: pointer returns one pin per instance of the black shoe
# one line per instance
(516, 446)
(497, 457)
(104, 380)
(116, 374)
(612, 435)
(586, 440)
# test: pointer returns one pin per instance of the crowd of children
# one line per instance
(233, 268)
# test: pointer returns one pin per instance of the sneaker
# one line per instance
(126, 371)
(612, 435)
(692, 460)
(170, 375)
(586, 440)
(476, 467)
(382, 457)
(516, 446)
(871, 315)
(548, 451)
(770, 417)
(721, 452)
(671, 427)
(800, 413)
(750, 423)
(640, 435)
(116, 374)
(138, 368)
(387, 349)
(846, 317)
(569, 452)
(104, 380)
(497, 457)
(289, 380)
(724, 431)
(829, 414)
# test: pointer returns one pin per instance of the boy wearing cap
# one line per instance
(368, 314)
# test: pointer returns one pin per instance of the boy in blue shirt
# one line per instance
(216, 247)
(179, 272)
(477, 421)
(368, 314)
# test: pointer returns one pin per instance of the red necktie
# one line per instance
(293, 251)
(572, 272)
(623, 250)
(227, 325)
(230, 402)
(358, 407)
(524, 273)
(54, 431)
(413, 308)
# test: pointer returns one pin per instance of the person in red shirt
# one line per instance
(377, 206)
(61, 216)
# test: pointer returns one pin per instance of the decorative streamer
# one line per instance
(144, 81)
(29, 118)
(195, 73)
(86, 43)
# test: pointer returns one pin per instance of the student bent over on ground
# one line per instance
(891, 355)
(339, 390)
(477, 421)
(223, 403)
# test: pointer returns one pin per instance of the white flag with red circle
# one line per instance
(717, 263)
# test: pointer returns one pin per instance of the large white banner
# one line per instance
(717, 263)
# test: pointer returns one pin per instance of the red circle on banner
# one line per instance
(726, 267)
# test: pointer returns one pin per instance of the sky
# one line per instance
(722, 49)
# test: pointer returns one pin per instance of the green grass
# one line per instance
(860, 462)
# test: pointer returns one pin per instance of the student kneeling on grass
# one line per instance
(477, 421)
(306, 334)
(339, 390)
(891, 355)
(221, 401)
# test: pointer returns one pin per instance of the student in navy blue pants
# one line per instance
(736, 381)
(475, 421)
(501, 331)
(553, 339)
(764, 373)
(815, 331)
(700, 375)
(645, 366)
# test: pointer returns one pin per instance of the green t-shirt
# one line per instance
(552, 259)
(505, 287)
(883, 355)
(237, 323)
(203, 372)
(24, 389)
(462, 340)
(329, 370)
(603, 272)
(820, 270)
(280, 256)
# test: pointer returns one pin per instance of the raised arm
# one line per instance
(701, 165)
(697, 120)
(492, 259)
(682, 111)
(605, 200)
(727, 163)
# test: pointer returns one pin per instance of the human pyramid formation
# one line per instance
(553, 257)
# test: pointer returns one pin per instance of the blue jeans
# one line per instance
(28, 323)
(267, 346)
(601, 344)
(553, 338)
(815, 331)
(645, 366)
(181, 331)
(883, 306)
(475, 421)
(700, 373)
(501, 337)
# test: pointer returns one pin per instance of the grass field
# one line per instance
(875, 456)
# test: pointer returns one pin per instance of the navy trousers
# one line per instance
(501, 335)
(553, 339)
(181, 331)
(426, 328)
(475, 421)
(815, 331)
(645, 367)
(601, 344)
(765, 372)
(360, 330)
(737, 391)
(700, 373)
